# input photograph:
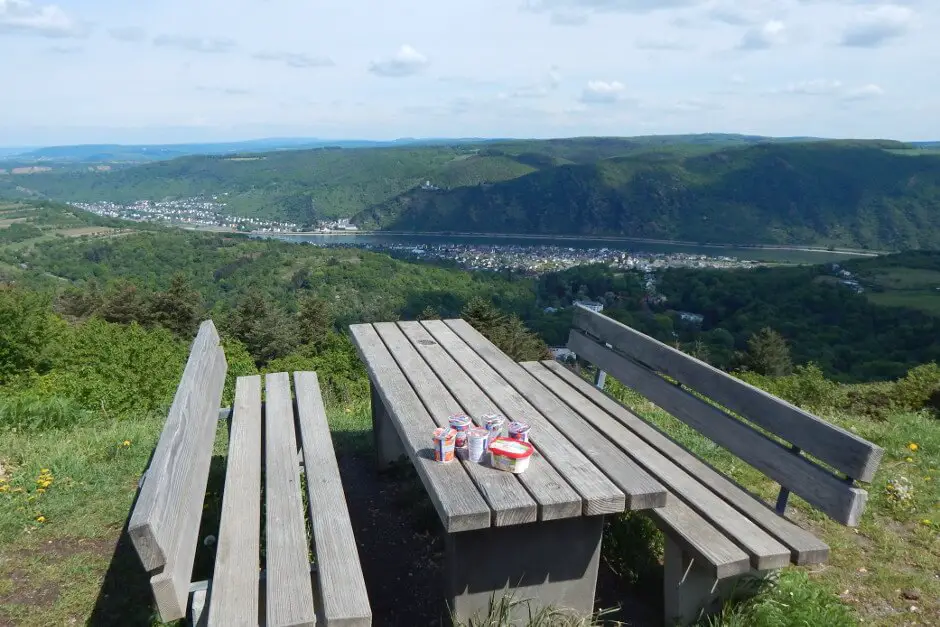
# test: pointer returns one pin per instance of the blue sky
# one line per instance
(83, 71)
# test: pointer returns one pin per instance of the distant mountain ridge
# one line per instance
(735, 189)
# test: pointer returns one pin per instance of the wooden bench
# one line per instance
(263, 445)
(715, 530)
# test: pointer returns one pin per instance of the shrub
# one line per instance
(633, 547)
(33, 412)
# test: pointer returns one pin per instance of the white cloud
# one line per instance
(878, 26)
(570, 17)
(128, 33)
(663, 43)
(737, 79)
(817, 87)
(603, 92)
(295, 59)
(208, 45)
(626, 6)
(770, 34)
(22, 17)
(406, 62)
(866, 92)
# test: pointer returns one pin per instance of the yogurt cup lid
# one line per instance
(514, 449)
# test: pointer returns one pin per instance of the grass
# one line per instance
(57, 545)
(915, 288)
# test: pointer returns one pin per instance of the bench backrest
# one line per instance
(164, 525)
(637, 361)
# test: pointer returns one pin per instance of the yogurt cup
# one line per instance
(461, 424)
(519, 430)
(493, 423)
(477, 439)
(511, 455)
(444, 444)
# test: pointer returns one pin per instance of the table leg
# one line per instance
(388, 446)
(553, 563)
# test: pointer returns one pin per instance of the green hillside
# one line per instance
(821, 193)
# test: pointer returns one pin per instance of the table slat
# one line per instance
(510, 502)
(599, 493)
(555, 498)
(457, 500)
(642, 491)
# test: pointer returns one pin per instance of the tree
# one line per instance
(178, 308)
(314, 320)
(26, 332)
(265, 330)
(483, 315)
(124, 305)
(768, 354)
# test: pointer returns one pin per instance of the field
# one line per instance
(26, 224)
(914, 288)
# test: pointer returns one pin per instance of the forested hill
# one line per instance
(812, 193)
(712, 188)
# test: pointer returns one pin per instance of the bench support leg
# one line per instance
(388, 447)
(552, 563)
(691, 592)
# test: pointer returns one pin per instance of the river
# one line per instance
(768, 254)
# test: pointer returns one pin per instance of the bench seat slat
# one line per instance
(805, 548)
(554, 497)
(598, 493)
(234, 599)
(342, 589)
(457, 500)
(836, 498)
(508, 499)
(642, 491)
(288, 589)
(835, 446)
(766, 553)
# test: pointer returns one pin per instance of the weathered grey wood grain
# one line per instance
(456, 498)
(344, 600)
(171, 585)
(765, 551)
(234, 599)
(554, 497)
(805, 548)
(837, 447)
(288, 589)
(507, 498)
(642, 491)
(822, 489)
(598, 493)
(166, 488)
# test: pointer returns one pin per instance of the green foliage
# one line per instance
(178, 308)
(18, 232)
(633, 548)
(314, 320)
(793, 600)
(27, 332)
(508, 332)
(33, 411)
(768, 354)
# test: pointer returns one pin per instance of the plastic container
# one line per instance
(444, 441)
(519, 430)
(511, 455)
(477, 439)
(461, 424)
(493, 423)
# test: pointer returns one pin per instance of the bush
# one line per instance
(33, 412)
(633, 548)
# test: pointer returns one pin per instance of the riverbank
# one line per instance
(591, 238)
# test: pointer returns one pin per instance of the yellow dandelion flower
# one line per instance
(41, 490)
(909, 459)
(40, 519)
(126, 443)
(44, 470)
(913, 446)
(926, 522)
(4, 488)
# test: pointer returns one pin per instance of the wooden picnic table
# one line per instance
(536, 535)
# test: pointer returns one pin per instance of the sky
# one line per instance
(147, 71)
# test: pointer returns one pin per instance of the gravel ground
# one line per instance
(401, 549)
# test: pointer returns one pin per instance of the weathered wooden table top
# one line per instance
(424, 372)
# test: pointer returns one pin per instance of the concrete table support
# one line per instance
(553, 563)
(388, 446)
